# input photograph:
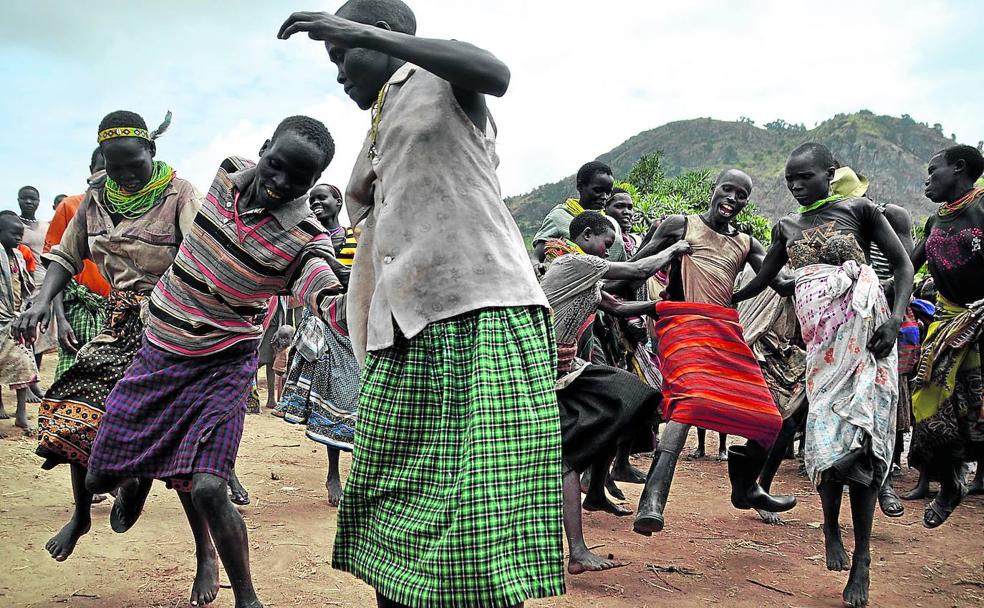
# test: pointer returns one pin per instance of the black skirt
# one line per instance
(599, 407)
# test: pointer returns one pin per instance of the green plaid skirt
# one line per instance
(85, 311)
(454, 498)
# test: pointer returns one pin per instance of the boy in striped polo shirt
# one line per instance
(178, 413)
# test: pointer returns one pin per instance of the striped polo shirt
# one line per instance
(217, 292)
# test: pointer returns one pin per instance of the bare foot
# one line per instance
(723, 455)
(585, 561)
(37, 390)
(25, 423)
(697, 454)
(628, 473)
(3, 413)
(271, 405)
(917, 493)
(206, 585)
(605, 505)
(856, 591)
(98, 498)
(837, 558)
(769, 517)
(61, 545)
(334, 486)
(615, 491)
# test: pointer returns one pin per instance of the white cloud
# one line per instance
(586, 76)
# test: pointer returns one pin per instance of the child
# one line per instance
(454, 496)
(17, 366)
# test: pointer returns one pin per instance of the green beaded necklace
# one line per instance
(132, 206)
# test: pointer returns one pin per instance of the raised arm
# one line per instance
(462, 64)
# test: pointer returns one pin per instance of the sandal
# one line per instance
(240, 498)
(890, 503)
(939, 511)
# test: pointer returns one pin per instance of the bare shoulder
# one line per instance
(673, 225)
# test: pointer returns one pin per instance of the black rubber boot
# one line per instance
(649, 517)
(746, 493)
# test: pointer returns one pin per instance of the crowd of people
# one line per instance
(481, 394)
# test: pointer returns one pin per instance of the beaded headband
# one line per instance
(115, 132)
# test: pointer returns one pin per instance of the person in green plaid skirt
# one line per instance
(454, 498)
(83, 312)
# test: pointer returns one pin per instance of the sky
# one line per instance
(586, 76)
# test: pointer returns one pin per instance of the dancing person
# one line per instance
(711, 377)
(598, 403)
(322, 386)
(185, 393)
(946, 403)
(130, 226)
(455, 348)
(79, 309)
(17, 366)
(594, 184)
(798, 239)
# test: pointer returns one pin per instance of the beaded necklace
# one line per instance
(957, 205)
(132, 206)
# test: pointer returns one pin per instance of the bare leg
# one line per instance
(700, 452)
(20, 417)
(831, 494)
(722, 446)
(206, 585)
(210, 498)
(334, 481)
(271, 379)
(61, 545)
(623, 470)
(862, 515)
(581, 559)
(595, 499)
(131, 494)
(922, 486)
(3, 411)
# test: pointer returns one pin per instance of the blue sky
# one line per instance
(586, 76)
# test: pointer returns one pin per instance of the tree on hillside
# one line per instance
(656, 196)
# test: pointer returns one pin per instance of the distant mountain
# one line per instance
(892, 152)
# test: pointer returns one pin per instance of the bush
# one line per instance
(656, 196)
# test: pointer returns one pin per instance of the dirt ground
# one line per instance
(729, 557)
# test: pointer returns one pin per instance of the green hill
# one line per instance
(891, 151)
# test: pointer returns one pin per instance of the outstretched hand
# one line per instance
(883, 340)
(337, 31)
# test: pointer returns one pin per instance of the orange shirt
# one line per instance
(30, 262)
(89, 276)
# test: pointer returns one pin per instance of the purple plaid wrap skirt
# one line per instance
(173, 416)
